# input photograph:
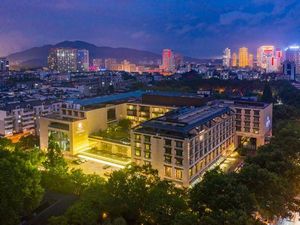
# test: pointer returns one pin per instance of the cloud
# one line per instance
(248, 18)
(139, 35)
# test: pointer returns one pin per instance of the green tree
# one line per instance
(20, 189)
(186, 218)
(119, 221)
(220, 199)
(128, 191)
(54, 158)
(80, 214)
(58, 220)
(164, 203)
(125, 124)
(28, 142)
(271, 192)
(6, 143)
(267, 94)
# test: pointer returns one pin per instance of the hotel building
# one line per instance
(181, 142)
(185, 142)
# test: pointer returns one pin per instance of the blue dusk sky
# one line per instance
(198, 28)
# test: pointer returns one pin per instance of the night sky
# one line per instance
(199, 28)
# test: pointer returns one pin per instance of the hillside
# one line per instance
(37, 56)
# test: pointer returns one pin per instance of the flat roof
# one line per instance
(249, 104)
(107, 98)
(62, 118)
(242, 103)
(180, 122)
(125, 96)
(173, 94)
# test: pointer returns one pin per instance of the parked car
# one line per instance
(79, 161)
(106, 167)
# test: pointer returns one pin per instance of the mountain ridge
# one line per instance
(37, 56)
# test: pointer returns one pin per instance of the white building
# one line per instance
(226, 57)
(18, 117)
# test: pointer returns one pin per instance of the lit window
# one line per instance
(137, 144)
(148, 155)
(147, 163)
(168, 171)
(178, 174)
(137, 152)
(191, 172)
(147, 147)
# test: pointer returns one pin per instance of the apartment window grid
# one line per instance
(200, 165)
(210, 143)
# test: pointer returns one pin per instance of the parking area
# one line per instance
(89, 166)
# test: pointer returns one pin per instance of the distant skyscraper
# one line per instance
(234, 60)
(4, 65)
(168, 62)
(63, 59)
(289, 69)
(266, 58)
(243, 57)
(83, 60)
(226, 57)
(251, 60)
(109, 63)
(292, 54)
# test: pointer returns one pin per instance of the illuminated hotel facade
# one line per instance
(180, 142)
(184, 143)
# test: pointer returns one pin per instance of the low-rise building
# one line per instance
(18, 117)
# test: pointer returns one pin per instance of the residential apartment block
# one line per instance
(19, 117)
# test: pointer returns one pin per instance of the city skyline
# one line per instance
(194, 28)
